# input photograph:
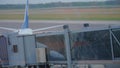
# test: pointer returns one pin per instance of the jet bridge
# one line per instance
(88, 47)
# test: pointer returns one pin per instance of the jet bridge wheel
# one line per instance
(39, 66)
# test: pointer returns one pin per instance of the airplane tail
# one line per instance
(24, 28)
(26, 17)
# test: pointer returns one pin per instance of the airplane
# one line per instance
(25, 30)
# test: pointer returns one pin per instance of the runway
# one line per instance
(73, 24)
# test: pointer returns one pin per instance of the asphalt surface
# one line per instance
(35, 24)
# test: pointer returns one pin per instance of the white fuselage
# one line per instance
(26, 31)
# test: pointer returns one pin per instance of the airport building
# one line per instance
(87, 47)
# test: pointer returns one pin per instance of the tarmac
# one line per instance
(73, 24)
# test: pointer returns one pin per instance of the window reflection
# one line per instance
(55, 46)
(93, 45)
(116, 46)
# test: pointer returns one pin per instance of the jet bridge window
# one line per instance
(116, 43)
(94, 45)
(15, 48)
(55, 46)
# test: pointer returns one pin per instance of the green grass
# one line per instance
(61, 17)
(63, 14)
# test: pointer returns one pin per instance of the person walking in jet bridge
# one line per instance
(78, 46)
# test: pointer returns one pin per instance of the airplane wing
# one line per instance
(11, 29)
(40, 29)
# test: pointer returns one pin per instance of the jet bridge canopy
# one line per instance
(89, 43)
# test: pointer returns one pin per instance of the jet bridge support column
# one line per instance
(68, 46)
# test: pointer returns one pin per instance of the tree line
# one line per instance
(61, 4)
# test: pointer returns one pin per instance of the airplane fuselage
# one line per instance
(26, 31)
